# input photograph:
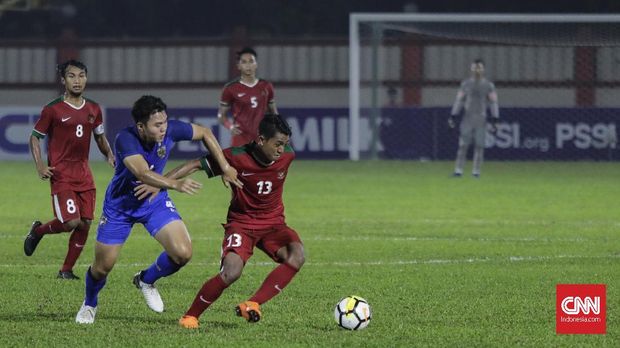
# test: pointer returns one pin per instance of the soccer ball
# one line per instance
(352, 313)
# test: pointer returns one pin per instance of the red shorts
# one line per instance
(71, 205)
(242, 241)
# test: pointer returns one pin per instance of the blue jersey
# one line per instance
(119, 195)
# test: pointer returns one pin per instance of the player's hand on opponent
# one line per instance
(187, 185)
(229, 175)
(111, 161)
(143, 190)
(45, 172)
(451, 121)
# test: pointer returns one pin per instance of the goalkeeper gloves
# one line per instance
(451, 121)
(493, 121)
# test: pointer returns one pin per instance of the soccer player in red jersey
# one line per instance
(68, 122)
(249, 97)
(255, 219)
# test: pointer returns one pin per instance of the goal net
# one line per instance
(557, 79)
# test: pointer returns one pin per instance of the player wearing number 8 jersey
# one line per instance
(255, 219)
(249, 97)
(68, 123)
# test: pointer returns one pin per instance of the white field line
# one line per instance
(371, 263)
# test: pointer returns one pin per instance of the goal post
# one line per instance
(557, 76)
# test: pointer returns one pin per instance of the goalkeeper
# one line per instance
(475, 95)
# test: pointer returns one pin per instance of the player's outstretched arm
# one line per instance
(184, 169)
(229, 174)
(143, 191)
(105, 149)
(45, 172)
(138, 166)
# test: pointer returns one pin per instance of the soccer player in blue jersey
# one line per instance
(142, 151)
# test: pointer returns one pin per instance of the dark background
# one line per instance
(151, 19)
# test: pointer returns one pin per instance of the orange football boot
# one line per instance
(249, 310)
(189, 322)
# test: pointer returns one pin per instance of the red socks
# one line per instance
(76, 245)
(53, 226)
(274, 283)
(210, 291)
(277, 280)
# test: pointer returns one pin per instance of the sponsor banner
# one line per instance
(522, 134)
(16, 125)
(402, 133)
(317, 132)
(580, 309)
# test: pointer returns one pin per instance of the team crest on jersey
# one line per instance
(103, 220)
(281, 175)
(91, 118)
(161, 151)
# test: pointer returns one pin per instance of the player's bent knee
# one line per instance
(71, 224)
(296, 257)
(101, 271)
(181, 255)
(230, 276)
(296, 260)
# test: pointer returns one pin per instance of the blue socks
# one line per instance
(92, 289)
(163, 266)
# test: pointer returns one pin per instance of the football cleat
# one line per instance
(32, 239)
(476, 175)
(457, 175)
(189, 322)
(249, 310)
(86, 314)
(151, 295)
(67, 275)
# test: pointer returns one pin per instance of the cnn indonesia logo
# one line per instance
(580, 309)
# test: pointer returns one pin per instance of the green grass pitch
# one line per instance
(443, 262)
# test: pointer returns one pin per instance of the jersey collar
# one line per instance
(73, 106)
(249, 85)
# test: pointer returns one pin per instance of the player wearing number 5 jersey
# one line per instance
(68, 123)
(248, 97)
(255, 219)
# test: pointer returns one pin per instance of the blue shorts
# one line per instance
(115, 226)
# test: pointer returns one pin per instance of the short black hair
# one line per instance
(144, 107)
(62, 67)
(245, 50)
(273, 123)
(478, 61)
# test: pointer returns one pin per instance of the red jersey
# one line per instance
(259, 202)
(69, 130)
(248, 104)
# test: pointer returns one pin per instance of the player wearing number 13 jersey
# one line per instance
(255, 219)
(68, 123)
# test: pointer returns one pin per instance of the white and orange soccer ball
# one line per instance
(352, 313)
